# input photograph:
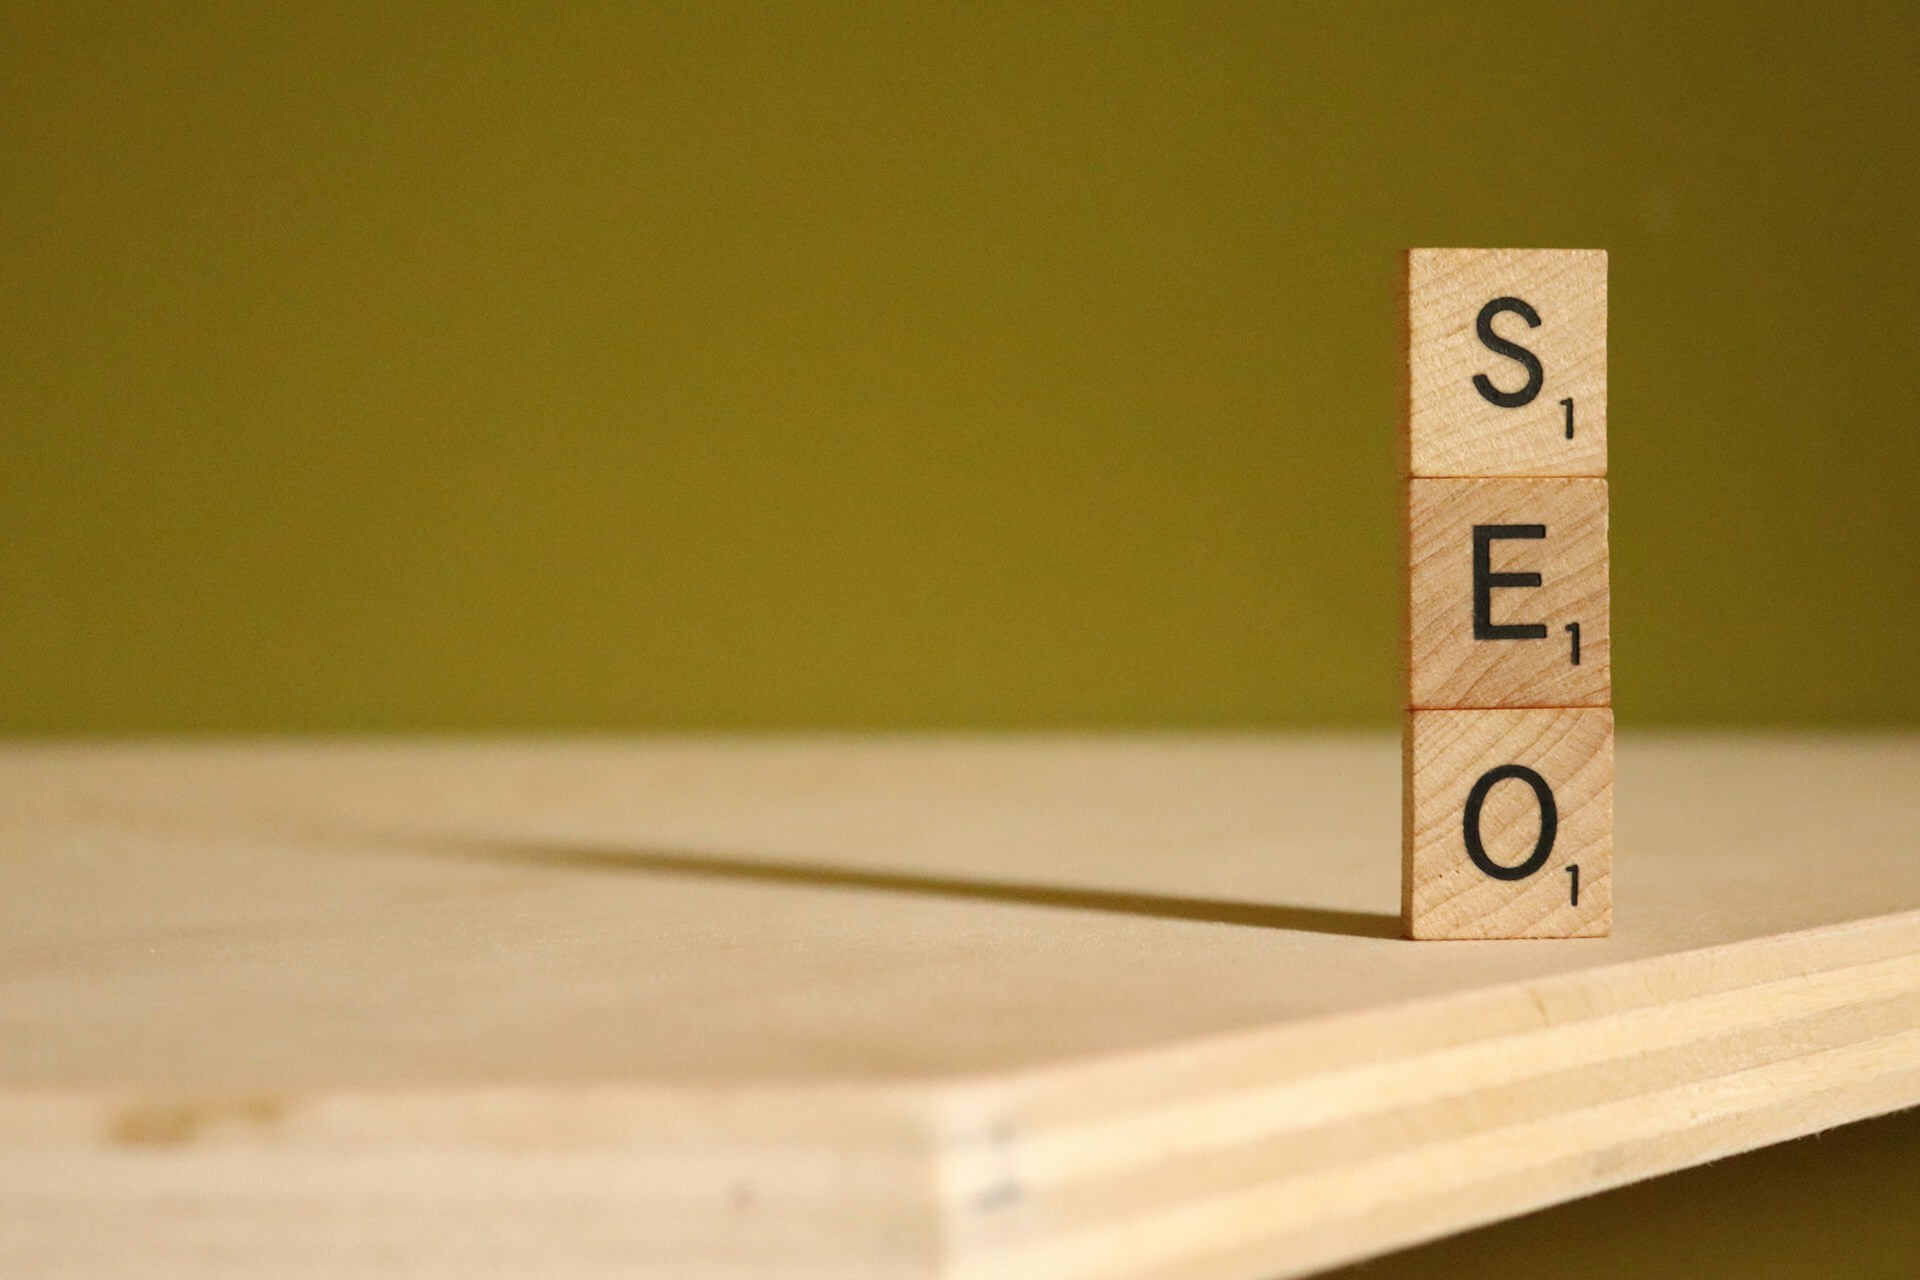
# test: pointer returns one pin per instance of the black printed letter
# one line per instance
(1485, 580)
(1536, 376)
(1549, 822)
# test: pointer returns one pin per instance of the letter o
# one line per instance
(1549, 822)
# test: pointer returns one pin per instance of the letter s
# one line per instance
(1536, 376)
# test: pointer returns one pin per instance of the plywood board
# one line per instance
(891, 1007)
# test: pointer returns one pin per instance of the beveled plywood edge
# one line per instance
(1274, 1151)
(613, 1115)
(473, 1183)
(1288, 1151)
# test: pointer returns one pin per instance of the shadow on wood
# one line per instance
(1361, 924)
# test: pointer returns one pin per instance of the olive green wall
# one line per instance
(514, 367)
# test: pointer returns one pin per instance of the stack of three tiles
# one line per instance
(1508, 735)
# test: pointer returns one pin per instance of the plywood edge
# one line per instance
(1398, 1125)
(469, 1183)
(1274, 1151)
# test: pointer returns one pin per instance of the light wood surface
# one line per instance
(1451, 663)
(1549, 836)
(1455, 428)
(1014, 1008)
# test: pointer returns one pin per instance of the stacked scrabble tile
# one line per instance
(1508, 738)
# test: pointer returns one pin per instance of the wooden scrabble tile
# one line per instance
(1508, 823)
(1506, 362)
(1507, 593)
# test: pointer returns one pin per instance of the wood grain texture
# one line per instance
(1444, 894)
(1453, 429)
(1450, 665)
(1121, 1008)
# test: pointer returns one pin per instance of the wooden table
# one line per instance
(1016, 1008)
